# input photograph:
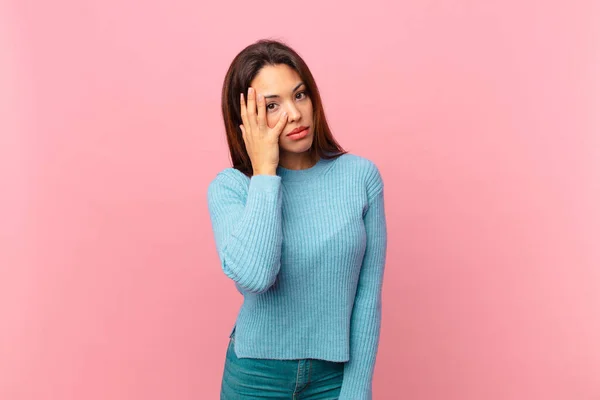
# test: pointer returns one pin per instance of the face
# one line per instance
(284, 91)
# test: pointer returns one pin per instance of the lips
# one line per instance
(299, 129)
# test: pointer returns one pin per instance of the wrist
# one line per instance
(265, 172)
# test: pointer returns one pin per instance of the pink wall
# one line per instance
(483, 117)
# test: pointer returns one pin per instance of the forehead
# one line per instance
(275, 79)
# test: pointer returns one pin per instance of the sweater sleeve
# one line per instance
(247, 229)
(366, 313)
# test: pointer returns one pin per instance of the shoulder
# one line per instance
(365, 169)
(361, 162)
(228, 180)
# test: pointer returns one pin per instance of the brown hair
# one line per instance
(244, 67)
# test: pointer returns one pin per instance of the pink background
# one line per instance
(482, 116)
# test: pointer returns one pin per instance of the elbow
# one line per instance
(268, 283)
(257, 283)
(257, 286)
(261, 288)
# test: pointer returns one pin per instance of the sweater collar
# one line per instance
(297, 175)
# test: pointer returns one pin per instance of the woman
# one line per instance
(299, 226)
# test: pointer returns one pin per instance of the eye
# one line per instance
(273, 106)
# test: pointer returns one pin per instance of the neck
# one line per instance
(297, 161)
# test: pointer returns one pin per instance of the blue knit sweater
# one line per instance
(307, 249)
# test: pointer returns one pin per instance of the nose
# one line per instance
(293, 114)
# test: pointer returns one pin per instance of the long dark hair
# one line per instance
(244, 67)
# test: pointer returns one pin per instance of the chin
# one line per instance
(301, 147)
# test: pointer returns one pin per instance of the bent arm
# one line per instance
(247, 229)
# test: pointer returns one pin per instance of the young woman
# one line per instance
(299, 226)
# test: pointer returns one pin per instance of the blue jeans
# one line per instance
(255, 378)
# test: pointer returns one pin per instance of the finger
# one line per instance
(261, 119)
(278, 128)
(244, 137)
(243, 110)
(251, 109)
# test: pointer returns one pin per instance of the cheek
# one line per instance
(272, 120)
(309, 108)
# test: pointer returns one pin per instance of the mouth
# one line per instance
(297, 130)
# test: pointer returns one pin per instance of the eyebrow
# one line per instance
(276, 95)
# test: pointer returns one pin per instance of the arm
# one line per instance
(248, 234)
(366, 314)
